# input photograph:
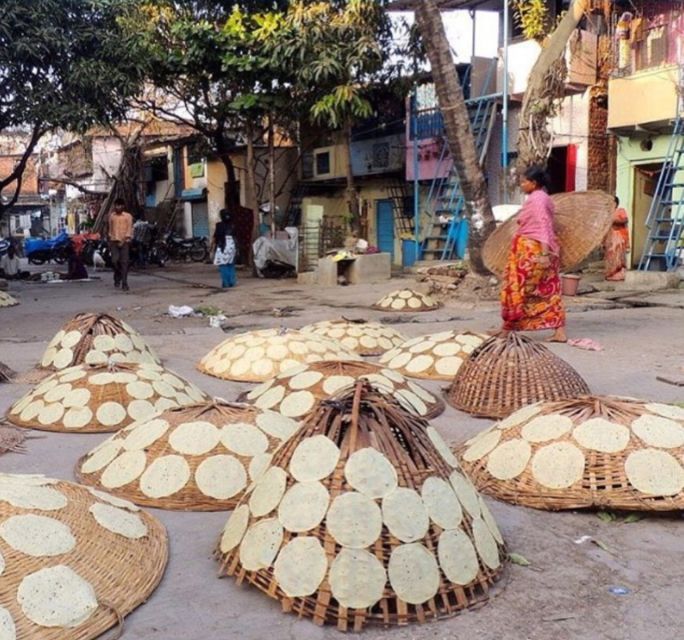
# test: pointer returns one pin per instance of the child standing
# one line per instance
(224, 243)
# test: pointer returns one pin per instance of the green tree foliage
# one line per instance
(64, 64)
(334, 52)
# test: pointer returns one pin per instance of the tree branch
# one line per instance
(17, 174)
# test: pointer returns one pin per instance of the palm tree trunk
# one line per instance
(352, 195)
(545, 87)
(458, 132)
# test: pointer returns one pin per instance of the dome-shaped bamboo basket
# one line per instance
(407, 300)
(438, 356)
(6, 300)
(256, 356)
(588, 452)
(101, 398)
(198, 458)
(295, 392)
(96, 338)
(581, 222)
(505, 374)
(361, 520)
(75, 561)
(359, 336)
(6, 374)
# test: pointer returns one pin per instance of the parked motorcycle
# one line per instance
(40, 250)
(177, 248)
(4, 245)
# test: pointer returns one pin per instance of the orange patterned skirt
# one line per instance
(531, 294)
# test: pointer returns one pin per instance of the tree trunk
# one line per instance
(478, 208)
(271, 174)
(250, 186)
(545, 87)
(232, 195)
(352, 195)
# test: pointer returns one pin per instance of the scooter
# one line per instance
(40, 250)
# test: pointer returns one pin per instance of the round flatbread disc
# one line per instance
(37, 536)
(545, 428)
(656, 431)
(220, 477)
(124, 469)
(485, 544)
(488, 517)
(466, 493)
(268, 492)
(357, 579)
(303, 506)
(666, 410)
(56, 597)
(482, 445)
(235, 529)
(32, 497)
(404, 514)
(441, 503)
(300, 567)
(194, 438)
(119, 521)
(260, 544)
(371, 473)
(145, 434)
(101, 457)
(297, 404)
(457, 557)
(276, 425)
(519, 416)
(602, 435)
(558, 465)
(314, 458)
(165, 476)
(509, 459)
(110, 414)
(655, 473)
(354, 520)
(413, 573)
(442, 447)
(244, 439)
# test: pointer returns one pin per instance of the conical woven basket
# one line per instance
(256, 356)
(582, 220)
(505, 374)
(75, 561)
(96, 338)
(362, 520)
(198, 458)
(6, 300)
(295, 392)
(407, 300)
(100, 398)
(358, 336)
(588, 452)
(438, 356)
(6, 374)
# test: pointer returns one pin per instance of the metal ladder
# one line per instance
(445, 195)
(665, 219)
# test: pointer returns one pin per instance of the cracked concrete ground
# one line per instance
(564, 594)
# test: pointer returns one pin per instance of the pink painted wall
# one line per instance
(429, 165)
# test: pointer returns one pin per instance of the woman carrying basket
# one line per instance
(531, 292)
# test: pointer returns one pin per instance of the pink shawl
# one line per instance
(536, 220)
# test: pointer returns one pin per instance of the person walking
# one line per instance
(531, 292)
(120, 234)
(224, 243)
(616, 245)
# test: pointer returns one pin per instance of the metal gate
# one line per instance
(200, 220)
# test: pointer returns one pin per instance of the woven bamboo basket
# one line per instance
(257, 356)
(359, 336)
(96, 338)
(295, 392)
(505, 374)
(590, 452)
(198, 458)
(407, 300)
(438, 356)
(75, 561)
(6, 300)
(101, 398)
(6, 374)
(364, 518)
(582, 220)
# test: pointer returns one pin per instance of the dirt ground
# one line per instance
(564, 594)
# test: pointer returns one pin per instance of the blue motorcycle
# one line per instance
(39, 250)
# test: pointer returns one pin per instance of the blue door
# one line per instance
(384, 219)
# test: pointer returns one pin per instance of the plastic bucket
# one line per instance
(569, 284)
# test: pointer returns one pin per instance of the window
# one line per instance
(323, 163)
